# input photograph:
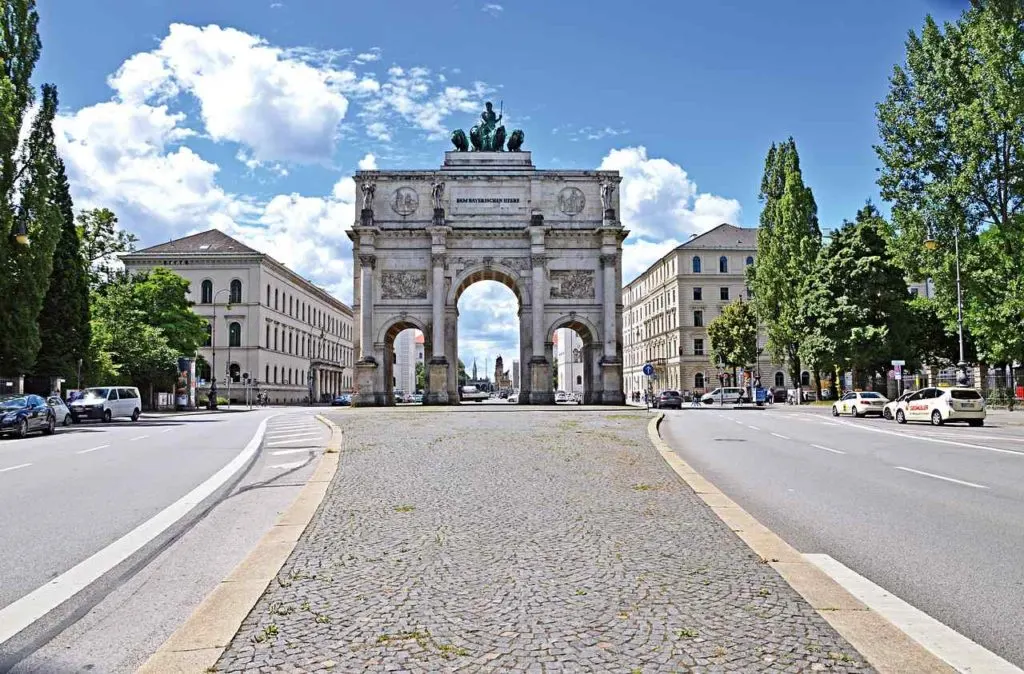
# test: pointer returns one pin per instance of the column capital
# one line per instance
(368, 260)
(439, 260)
(609, 259)
(539, 259)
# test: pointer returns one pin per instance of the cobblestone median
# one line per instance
(509, 540)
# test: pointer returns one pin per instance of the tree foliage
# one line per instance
(788, 241)
(733, 335)
(421, 377)
(101, 243)
(952, 154)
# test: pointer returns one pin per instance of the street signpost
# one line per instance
(897, 367)
(649, 373)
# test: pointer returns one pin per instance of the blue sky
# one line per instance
(249, 115)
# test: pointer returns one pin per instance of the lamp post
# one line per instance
(20, 233)
(213, 345)
(932, 245)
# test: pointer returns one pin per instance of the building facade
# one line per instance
(569, 360)
(668, 307)
(271, 330)
(405, 362)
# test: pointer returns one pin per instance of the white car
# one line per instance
(107, 402)
(561, 397)
(939, 405)
(60, 409)
(860, 403)
(726, 395)
(889, 411)
(513, 397)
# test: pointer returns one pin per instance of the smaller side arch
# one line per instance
(581, 324)
(396, 324)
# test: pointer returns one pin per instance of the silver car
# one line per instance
(61, 410)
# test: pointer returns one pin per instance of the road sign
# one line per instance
(899, 363)
(648, 370)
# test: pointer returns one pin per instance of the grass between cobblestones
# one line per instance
(532, 541)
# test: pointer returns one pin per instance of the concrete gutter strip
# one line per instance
(883, 645)
(198, 644)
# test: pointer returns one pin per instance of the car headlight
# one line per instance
(10, 416)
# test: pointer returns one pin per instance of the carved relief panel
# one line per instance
(403, 285)
(572, 284)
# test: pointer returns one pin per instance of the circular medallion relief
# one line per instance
(405, 201)
(571, 201)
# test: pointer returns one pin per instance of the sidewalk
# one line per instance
(490, 542)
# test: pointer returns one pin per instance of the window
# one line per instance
(275, 374)
(209, 335)
(236, 292)
(275, 344)
(698, 294)
(291, 343)
(235, 334)
(698, 319)
(291, 309)
(698, 380)
(207, 292)
(750, 260)
(698, 347)
(266, 375)
(268, 336)
(723, 293)
(696, 264)
(275, 308)
(268, 294)
(235, 372)
(914, 292)
(780, 380)
(805, 378)
(723, 265)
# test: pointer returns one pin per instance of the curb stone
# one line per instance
(883, 645)
(199, 642)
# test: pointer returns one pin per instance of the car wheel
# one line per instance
(51, 426)
(67, 420)
(835, 411)
(901, 418)
(886, 414)
(936, 418)
(135, 414)
(855, 412)
(23, 428)
(106, 416)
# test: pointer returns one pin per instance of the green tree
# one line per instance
(462, 377)
(64, 322)
(102, 242)
(26, 270)
(952, 154)
(733, 335)
(421, 377)
(788, 241)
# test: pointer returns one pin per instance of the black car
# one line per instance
(24, 414)
(669, 399)
(343, 400)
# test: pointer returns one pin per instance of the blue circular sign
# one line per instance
(648, 370)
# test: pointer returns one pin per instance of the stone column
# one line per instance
(540, 365)
(367, 262)
(437, 289)
(316, 384)
(611, 366)
(437, 367)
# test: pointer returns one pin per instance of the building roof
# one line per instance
(724, 236)
(210, 241)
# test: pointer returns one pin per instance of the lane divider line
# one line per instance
(91, 449)
(21, 613)
(780, 436)
(138, 437)
(828, 449)
(754, 428)
(288, 466)
(942, 477)
(946, 643)
(936, 440)
(289, 451)
(20, 465)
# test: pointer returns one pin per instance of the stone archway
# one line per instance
(390, 329)
(423, 237)
(591, 352)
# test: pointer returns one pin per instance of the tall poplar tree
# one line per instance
(64, 327)
(788, 242)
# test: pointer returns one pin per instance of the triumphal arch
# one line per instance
(553, 237)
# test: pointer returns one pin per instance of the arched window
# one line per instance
(206, 295)
(268, 294)
(275, 344)
(235, 334)
(291, 308)
(805, 378)
(235, 372)
(268, 336)
(780, 379)
(275, 374)
(275, 299)
(723, 265)
(209, 335)
(203, 371)
(266, 375)
(291, 343)
(236, 292)
(750, 260)
(696, 264)
(698, 380)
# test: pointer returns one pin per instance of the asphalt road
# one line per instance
(65, 497)
(933, 515)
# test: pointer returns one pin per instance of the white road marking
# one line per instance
(829, 449)
(292, 435)
(289, 466)
(828, 423)
(753, 427)
(948, 645)
(282, 443)
(20, 465)
(289, 451)
(938, 440)
(780, 436)
(91, 449)
(138, 437)
(18, 615)
(168, 430)
(942, 477)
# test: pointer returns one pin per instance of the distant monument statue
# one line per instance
(369, 189)
(488, 135)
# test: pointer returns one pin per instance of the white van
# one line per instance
(726, 395)
(107, 402)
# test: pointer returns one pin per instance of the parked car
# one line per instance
(561, 397)
(860, 403)
(107, 402)
(513, 397)
(343, 400)
(941, 405)
(668, 400)
(889, 411)
(728, 394)
(473, 394)
(60, 410)
(24, 414)
(417, 398)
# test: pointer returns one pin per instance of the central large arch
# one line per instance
(552, 237)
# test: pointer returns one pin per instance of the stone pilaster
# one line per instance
(367, 263)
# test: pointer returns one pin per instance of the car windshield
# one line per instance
(870, 394)
(54, 401)
(670, 393)
(12, 403)
(965, 394)
(100, 393)
(907, 395)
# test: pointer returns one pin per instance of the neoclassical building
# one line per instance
(669, 306)
(268, 325)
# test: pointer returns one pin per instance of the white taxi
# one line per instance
(940, 405)
(889, 411)
(860, 403)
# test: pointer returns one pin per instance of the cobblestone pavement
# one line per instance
(523, 541)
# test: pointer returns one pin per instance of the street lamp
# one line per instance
(20, 233)
(213, 345)
(932, 245)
